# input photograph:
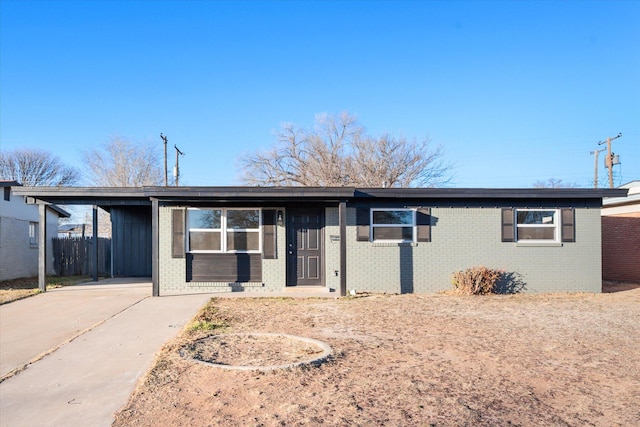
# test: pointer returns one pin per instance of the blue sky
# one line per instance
(515, 91)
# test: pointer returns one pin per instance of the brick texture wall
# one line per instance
(172, 271)
(463, 238)
(621, 247)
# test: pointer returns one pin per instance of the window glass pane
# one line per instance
(393, 233)
(393, 217)
(204, 218)
(204, 241)
(243, 241)
(536, 217)
(243, 218)
(33, 233)
(536, 233)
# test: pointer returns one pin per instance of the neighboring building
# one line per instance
(265, 239)
(621, 236)
(73, 231)
(19, 234)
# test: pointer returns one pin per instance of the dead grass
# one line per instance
(16, 289)
(414, 360)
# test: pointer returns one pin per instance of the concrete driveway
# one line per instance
(72, 356)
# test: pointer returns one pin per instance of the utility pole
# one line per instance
(595, 166)
(166, 179)
(609, 161)
(176, 170)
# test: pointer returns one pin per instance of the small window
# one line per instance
(537, 225)
(7, 194)
(395, 225)
(223, 230)
(33, 233)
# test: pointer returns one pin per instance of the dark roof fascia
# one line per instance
(255, 194)
(102, 196)
(488, 193)
(108, 196)
(10, 184)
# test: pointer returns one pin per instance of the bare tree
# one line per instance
(398, 162)
(122, 163)
(337, 152)
(33, 167)
(553, 183)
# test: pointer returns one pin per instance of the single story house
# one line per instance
(20, 233)
(621, 236)
(395, 240)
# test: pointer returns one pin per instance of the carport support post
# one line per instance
(155, 251)
(342, 220)
(42, 247)
(95, 243)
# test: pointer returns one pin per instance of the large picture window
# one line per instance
(223, 230)
(537, 225)
(395, 225)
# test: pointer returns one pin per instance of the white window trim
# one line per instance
(223, 230)
(34, 231)
(556, 226)
(372, 225)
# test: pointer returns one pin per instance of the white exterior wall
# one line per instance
(18, 258)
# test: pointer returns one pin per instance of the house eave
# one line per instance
(109, 196)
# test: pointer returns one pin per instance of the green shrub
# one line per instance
(478, 280)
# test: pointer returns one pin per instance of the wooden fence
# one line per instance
(74, 256)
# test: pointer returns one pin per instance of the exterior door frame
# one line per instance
(292, 250)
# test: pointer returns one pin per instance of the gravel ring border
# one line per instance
(327, 351)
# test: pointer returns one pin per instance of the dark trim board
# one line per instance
(229, 268)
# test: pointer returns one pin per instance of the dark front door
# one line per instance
(304, 247)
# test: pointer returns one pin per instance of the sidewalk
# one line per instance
(97, 340)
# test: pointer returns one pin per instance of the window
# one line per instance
(7, 194)
(243, 230)
(223, 230)
(537, 225)
(396, 225)
(33, 233)
(205, 229)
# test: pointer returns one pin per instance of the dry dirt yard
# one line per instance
(411, 360)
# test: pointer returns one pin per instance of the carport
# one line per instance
(131, 221)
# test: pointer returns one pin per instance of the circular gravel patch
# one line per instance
(257, 351)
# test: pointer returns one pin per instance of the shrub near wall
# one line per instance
(478, 280)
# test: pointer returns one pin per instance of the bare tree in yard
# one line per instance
(33, 167)
(122, 163)
(337, 152)
(553, 183)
